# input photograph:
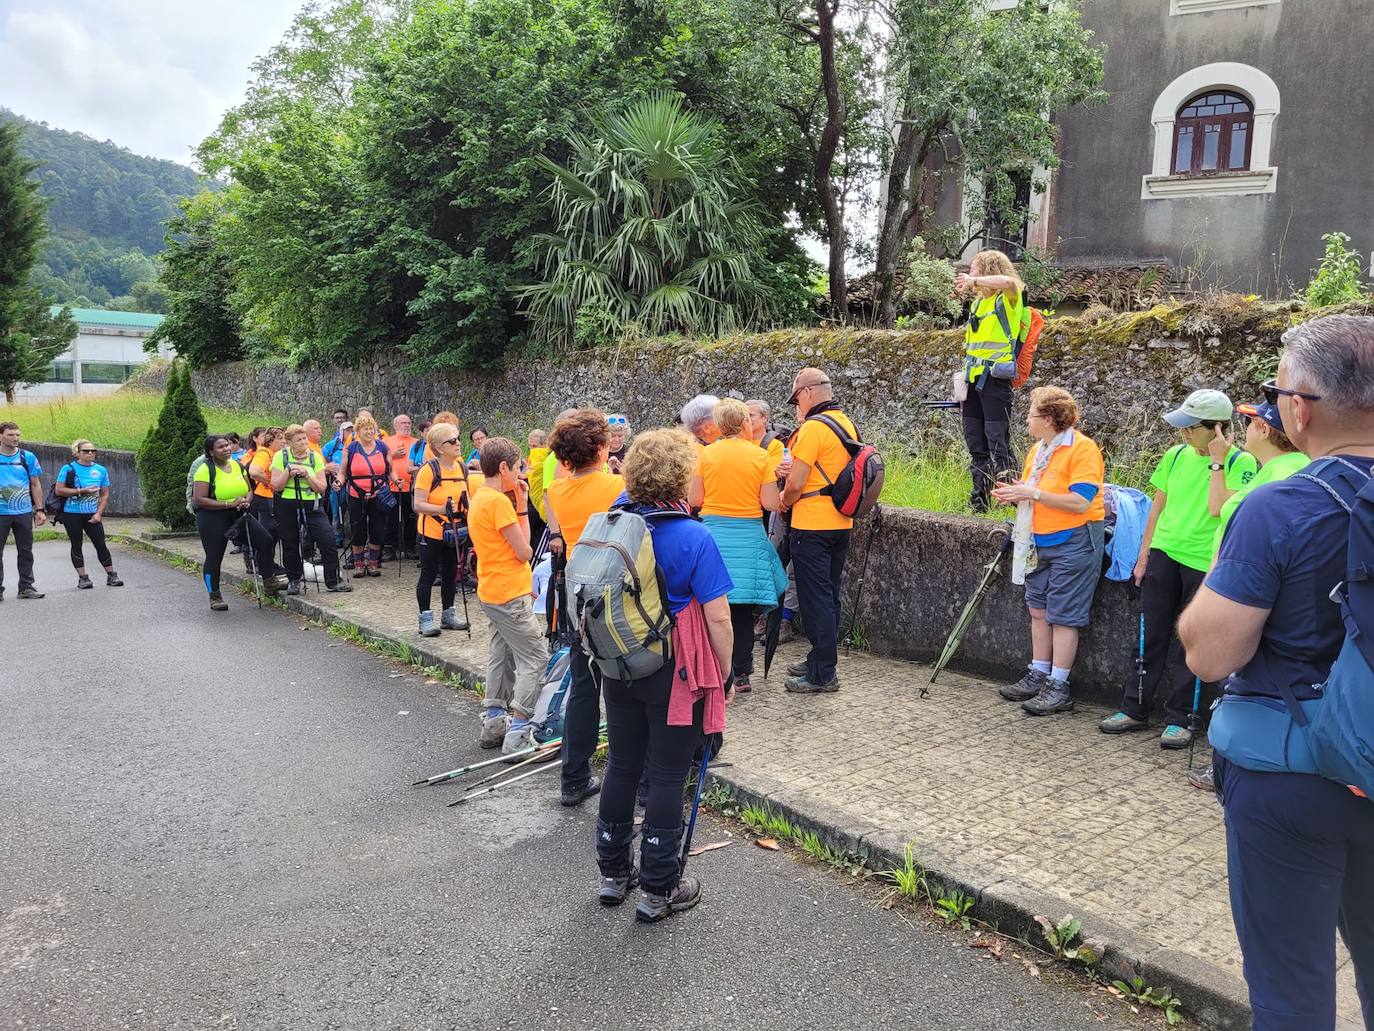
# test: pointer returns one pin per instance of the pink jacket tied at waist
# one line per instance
(696, 674)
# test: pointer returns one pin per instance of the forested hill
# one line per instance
(105, 213)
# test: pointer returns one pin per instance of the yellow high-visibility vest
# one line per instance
(987, 338)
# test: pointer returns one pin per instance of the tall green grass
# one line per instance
(117, 421)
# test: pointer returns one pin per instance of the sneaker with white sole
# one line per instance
(653, 908)
(518, 739)
(494, 731)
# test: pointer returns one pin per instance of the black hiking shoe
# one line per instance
(653, 908)
(112, 579)
(614, 889)
(1026, 688)
(293, 587)
(339, 587)
(801, 685)
(797, 670)
(30, 593)
(580, 795)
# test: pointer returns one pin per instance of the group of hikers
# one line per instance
(1235, 552)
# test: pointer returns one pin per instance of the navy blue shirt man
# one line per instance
(1300, 848)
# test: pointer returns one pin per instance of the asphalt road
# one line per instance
(208, 823)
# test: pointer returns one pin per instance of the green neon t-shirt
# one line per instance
(1186, 526)
(228, 486)
(1279, 467)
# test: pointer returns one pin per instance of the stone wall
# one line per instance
(1124, 371)
(126, 494)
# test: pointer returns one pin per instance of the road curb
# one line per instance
(1210, 995)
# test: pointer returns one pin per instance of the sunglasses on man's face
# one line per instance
(1272, 390)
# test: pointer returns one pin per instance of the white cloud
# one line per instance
(152, 75)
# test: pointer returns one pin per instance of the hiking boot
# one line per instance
(760, 627)
(518, 739)
(449, 620)
(1175, 737)
(427, 627)
(83, 583)
(339, 587)
(614, 889)
(112, 579)
(30, 593)
(742, 685)
(1202, 779)
(797, 670)
(653, 908)
(1026, 688)
(580, 795)
(1053, 697)
(494, 731)
(293, 587)
(217, 602)
(388, 553)
(1121, 723)
(785, 633)
(801, 685)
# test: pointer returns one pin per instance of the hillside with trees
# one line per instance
(105, 211)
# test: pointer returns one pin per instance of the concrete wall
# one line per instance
(126, 495)
(1315, 53)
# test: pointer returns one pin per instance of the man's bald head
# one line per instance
(810, 388)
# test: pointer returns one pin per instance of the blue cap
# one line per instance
(1263, 410)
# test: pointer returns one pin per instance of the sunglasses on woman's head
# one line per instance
(1272, 390)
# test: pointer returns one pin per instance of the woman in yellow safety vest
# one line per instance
(996, 306)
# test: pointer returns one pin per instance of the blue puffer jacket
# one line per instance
(749, 556)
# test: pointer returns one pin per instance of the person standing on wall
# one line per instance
(996, 308)
(21, 506)
(1192, 482)
(1299, 847)
(819, 535)
(84, 486)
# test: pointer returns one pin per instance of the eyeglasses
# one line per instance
(87, 450)
(806, 386)
(1272, 391)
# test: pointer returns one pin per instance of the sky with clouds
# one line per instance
(152, 75)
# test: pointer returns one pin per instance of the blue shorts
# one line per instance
(1065, 577)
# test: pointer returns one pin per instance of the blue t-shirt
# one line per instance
(686, 552)
(1284, 550)
(15, 472)
(93, 475)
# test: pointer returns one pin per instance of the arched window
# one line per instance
(1213, 133)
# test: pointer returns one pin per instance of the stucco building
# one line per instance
(107, 351)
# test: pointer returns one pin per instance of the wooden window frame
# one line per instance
(1227, 122)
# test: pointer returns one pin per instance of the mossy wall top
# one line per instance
(1124, 370)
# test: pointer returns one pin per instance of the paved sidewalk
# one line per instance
(1037, 815)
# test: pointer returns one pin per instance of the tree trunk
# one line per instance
(825, 158)
(903, 197)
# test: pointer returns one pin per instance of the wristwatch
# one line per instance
(1036, 495)
(1216, 467)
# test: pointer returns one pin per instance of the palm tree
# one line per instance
(653, 233)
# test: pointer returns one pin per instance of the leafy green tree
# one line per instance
(654, 229)
(32, 338)
(202, 324)
(166, 453)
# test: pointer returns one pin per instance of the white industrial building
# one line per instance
(108, 350)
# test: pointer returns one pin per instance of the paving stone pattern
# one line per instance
(1106, 827)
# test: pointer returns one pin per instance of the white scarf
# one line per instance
(1023, 558)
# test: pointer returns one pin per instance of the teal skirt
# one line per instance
(751, 559)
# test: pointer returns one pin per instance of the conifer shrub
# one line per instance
(166, 453)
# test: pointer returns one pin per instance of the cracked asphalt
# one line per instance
(208, 822)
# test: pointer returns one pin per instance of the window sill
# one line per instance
(1205, 6)
(1223, 184)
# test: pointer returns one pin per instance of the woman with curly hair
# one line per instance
(580, 441)
(996, 308)
(641, 724)
(732, 485)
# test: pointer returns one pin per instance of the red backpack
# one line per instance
(854, 492)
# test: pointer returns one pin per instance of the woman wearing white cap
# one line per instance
(1192, 482)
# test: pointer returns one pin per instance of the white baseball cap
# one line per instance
(1201, 406)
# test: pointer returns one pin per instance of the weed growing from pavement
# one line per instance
(910, 877)
(1063, 939)
(953, 907)
(1137, 991)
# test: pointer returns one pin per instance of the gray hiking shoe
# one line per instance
(653, 908)
(427, 626)
(797, 669)
(801, 685)
(1175, 737)
(449, 620)
(1053, 697)
(1121, 723)
(614, 889)
(1203, 779)
(1026, 688)
(494, 731)
(518, 740)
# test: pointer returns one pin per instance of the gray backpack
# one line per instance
(618, 594)
(191, 478)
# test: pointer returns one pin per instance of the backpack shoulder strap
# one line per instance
(999, 309)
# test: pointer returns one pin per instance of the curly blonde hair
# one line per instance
(995, 263)
(659, 466)
(731, 415)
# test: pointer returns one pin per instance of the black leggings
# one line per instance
(213, 524)
(290, 515)
(742, 619)
(369, 521)
(439, 558)
(78, 523)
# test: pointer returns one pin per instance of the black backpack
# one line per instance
(53, 504)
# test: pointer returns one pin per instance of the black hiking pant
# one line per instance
(818, 560)
(78, 523)
(1164, 594)
(215, 524)
(292, 516)
(436, 558)
(987, 432)
(22, 525)
(742, 618)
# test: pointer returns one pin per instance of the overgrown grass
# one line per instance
(118, 421)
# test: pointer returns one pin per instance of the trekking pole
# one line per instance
(505, 783)
(440, 778)
(863, 572)
(1193, 722)
(462, 581)
(1140, 665)
(543, 754)
(961, 625)
(256, 575)
(696, 804)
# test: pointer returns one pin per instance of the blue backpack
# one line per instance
(1331, 735)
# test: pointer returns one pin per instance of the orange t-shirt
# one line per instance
(262, 462)
(575, 499)
(1078, 461)
(503, 577)
(732, 471)
(817, 445)
(451, 487)
(399, 447)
